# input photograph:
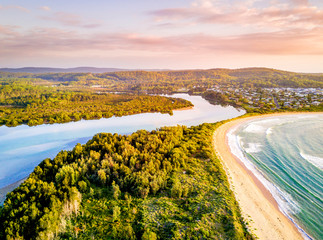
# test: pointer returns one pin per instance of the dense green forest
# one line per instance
(164, 184)
(29, 101)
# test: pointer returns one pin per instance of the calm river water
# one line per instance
(23, 147)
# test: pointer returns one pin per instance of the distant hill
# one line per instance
(61, 70)
(36, 70)
(126, 79)
(232, 72)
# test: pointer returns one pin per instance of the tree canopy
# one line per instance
(164, 184)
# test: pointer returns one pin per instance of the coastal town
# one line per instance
(271, 98)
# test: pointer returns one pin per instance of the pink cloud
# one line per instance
(20, 8)
(276, 16)
(45, 8)
(300, 2)
(69, 19)
(8, 31)
(52, 40)
(64, 18)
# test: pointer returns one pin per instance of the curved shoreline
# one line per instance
(257, 204)
(9, 188)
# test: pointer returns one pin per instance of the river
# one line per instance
(22, 148)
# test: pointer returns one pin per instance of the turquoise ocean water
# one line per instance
(286, 154)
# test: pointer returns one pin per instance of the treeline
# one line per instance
(167, 81)
(164, 184)
(22, 102)
(247, 77)
(217, 98)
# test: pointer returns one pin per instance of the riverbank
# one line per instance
(257, 204)
(9, 188)
(184, 108)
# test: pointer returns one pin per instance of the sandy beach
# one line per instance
(257, 204)
(184, 108)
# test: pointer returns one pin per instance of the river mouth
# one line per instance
(22, 148)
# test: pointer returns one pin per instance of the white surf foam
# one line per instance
(285, 202)
(269, 120)
(316, 161)
(269, 131)
(253, 148)
(254, 128)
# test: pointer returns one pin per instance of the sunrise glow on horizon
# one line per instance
(178, 34)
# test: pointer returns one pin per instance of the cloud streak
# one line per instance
(45, 8)
(15, 7)
(298, 14)
(293, 42)
(69, 19)
(300, 2)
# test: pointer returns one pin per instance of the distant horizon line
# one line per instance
(115, 69)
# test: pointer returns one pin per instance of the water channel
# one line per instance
(22, 148)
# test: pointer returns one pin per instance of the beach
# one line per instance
(258, 206)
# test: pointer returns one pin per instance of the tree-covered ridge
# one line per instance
(23, 102)
(164, 184)
(172, 80)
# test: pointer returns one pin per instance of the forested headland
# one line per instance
(164, 184)
(32, 102)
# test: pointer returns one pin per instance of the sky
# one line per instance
(168, 34)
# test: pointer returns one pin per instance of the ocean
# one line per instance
(286, 154)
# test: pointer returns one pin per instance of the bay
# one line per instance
(286, 154)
